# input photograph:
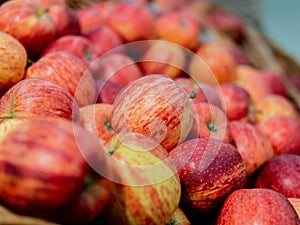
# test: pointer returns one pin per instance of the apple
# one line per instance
(209, 171)
(13, 61)
(37, 98)
(28, 22)
(254, 147)
(31, 184)
(116, 67)
(253, 81)
(103, 39)
(107, 91)
(156, 107)
(283, 134)
(277, 82)
(282, 175)
(69, 71)
(212, 122)
(274, 105)
(257, 206)
(165, 6)
(49, 3)
(7, 125)
(179, 28)
(75, 44)
(212, 64)
(146, 187)
(104, 8)
(65, 19)
(170, 62)
(123, 19)
(237, 102)
(179, 218)
(96, 119)
(296, 204)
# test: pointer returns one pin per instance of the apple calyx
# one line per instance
(108, 125)
(40, 12)
(211, 127)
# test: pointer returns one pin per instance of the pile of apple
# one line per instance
(139, 113)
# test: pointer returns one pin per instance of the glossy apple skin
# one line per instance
(277, 82)
(156, 107)
(36, 98)
(31, 185)
(254, 147)
(179, 218)
(283, 134)
(27, 22)
(209, 171)
(7, 125)
(68, 71)
(96, 119)
(146, 188)
(282, 175)
(107, 91)
(257, 206)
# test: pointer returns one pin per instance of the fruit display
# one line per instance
(144, 112)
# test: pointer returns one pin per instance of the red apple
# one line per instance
(28, 22)
(170, 62)
(69, 71)
(36, 98)
(13, 61)
(179, 218)
(107, 91)
(283, 133)
(7, 125)
(209, 171)
(156, 107)
(146, 188)
(179, 28)
(65, 19)
(237, 102)
(257, 206)
(277, 82)
(212, 64)
(75, 44)
(165, 6)
(116, 67)
(104, 8)
(96, 119)
(41, 177)
(254, 147)
(123, 19)
(282, 175)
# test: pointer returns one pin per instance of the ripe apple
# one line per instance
(179, 218)
(156, 107)
(107, 91)
(36, 98)
(296, 204)
(116, 67)
(104, 8)
(7, 125)
(96, 118)
(274, 105)
(254, 147)
(282, 175)
(257, 206)
(165, 6)
(123, 19)
(69, 71)
(146, 187)
(28, 22)
(237, 102)
(283, 134)
(170, 62)
(212, 64)
(277, 82)
(13, 61)
(179, 28)
(209, 171)
(65, 19)
(75, 44)
(31, 184)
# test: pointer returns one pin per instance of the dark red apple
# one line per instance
(107, 91)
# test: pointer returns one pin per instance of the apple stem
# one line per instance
(7, 116)
(87, 182)
(108, 125)
(212, 127)
(192, 95)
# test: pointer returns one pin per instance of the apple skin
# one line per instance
(31, 185)
(156, 107)
(257, 206)
(96, 119)
(277, 82)
(254, 147)
(135, 30)
(237, 102)
(146, 187)
(7, 125)
(69, 71)
(281, 174)
(179, 218)
(36, 98)
(107, 91)
(296, 204)
(283, 134)
(13, 61)
(28, 22)
(209, 171)
(274, 105)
